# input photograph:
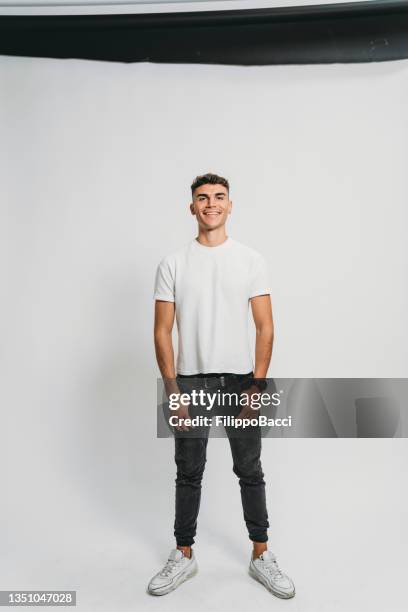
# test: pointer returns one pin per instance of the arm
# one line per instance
(163, 326)
(262, 313)
(164, 313)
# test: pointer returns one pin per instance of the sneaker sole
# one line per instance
(176, 583)
(265, 583)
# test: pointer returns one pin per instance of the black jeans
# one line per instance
(190, 458)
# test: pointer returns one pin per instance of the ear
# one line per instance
(230, 207)
(192, 208)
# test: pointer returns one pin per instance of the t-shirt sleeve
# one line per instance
(259, 282)
(164, 282)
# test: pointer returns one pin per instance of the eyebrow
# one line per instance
(206, 194)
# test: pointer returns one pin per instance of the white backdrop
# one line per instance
(96, 163)
(87, 7)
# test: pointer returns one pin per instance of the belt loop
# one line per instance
(222, 381)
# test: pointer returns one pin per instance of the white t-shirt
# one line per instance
(211, 287)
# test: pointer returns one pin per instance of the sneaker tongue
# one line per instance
(267, 556)
(175, 555)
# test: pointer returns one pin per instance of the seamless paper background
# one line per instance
(96, 163)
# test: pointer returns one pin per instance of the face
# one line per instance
(211, 206)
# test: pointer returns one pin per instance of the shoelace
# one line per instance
(168, 568)
(273, 568)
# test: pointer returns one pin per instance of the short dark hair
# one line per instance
(212, 179)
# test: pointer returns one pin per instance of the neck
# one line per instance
(213, 237)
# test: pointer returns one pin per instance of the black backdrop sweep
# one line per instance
(349, 32)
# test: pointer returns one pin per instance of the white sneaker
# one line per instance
(177, 569)
(265, 569)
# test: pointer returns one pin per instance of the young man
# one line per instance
(207, 286)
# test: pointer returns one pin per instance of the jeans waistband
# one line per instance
(216, 378)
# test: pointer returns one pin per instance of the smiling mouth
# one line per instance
(212, 214)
